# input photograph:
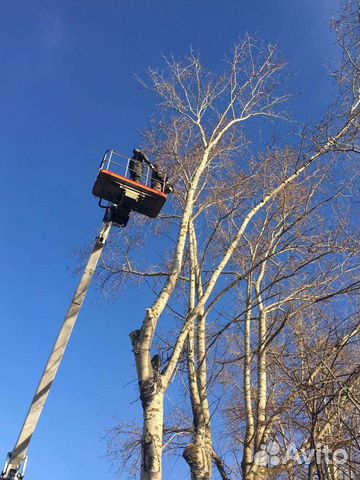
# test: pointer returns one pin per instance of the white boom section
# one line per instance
(16, 461)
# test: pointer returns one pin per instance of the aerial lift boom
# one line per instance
(15, 464)
(123, 196)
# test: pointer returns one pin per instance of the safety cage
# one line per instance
(114, 185)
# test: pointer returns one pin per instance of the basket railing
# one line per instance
(120, 164)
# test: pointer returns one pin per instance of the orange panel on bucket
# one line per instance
(120, 190)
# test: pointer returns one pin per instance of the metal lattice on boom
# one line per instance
(124, 195)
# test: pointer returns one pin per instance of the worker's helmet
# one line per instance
(136, 151)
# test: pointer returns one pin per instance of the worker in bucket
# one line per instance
(159, 180)
(136, 165)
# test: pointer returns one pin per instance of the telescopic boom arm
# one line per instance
(15, 464)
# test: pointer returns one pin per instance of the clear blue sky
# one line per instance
(67, 93)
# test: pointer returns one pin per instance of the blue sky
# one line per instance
(67, 93)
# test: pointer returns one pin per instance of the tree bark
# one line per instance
(249, 432)
(198, 458)
(262, 381)
(152, 442)
(198, 454)
(152, 400)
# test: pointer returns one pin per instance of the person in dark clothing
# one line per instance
(159, 180)
(136, 165)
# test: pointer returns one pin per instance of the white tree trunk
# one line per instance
(206, 437)
(198, 457)
(152, 400)
(249, 433)
(152, 442)
(198, 454)
(262, 382)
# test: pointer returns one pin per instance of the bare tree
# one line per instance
(263, 232)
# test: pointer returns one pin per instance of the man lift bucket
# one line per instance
(134, 186)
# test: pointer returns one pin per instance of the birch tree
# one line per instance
(294, 290)
(233, 216)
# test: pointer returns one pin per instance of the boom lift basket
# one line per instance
(113, 185)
